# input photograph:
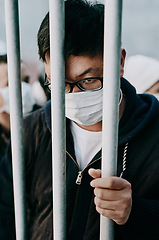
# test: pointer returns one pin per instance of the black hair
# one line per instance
(3, 58)
(84, 29)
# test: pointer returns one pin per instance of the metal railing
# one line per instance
(112, 49)
(16, 117)
(58, 117)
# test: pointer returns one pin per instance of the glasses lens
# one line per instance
(91, 84)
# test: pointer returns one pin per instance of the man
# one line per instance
(132, 201)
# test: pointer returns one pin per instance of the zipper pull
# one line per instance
(79, 178)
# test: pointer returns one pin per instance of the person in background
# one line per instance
(28, 100)
(143, 73)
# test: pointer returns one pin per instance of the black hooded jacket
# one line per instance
(139, 127)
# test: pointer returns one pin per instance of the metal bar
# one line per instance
(112, 48)
(58, 117)
(13, 54)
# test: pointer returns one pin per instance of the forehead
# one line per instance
(78, 66)
(82, 65)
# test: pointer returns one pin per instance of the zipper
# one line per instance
(79, 178)
(80, 173)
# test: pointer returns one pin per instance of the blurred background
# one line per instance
(31, 14)
(140, 29)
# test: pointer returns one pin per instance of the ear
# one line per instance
(47, 65)
(123, 56)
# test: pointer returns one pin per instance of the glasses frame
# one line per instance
(83, 89)
(48, 84)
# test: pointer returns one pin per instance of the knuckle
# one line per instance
(128, 185)
(122, 215)
(124, 209)
(128, 200)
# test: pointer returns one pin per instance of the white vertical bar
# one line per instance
(112, 48)
(13, 54)
(58, 117)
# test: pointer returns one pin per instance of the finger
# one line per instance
(122, 204)
(94, 173)
(106, 213)
(115, 183)
(107, 194)
(109, 205)
(117, 217)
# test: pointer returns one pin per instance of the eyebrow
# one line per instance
(87, 71)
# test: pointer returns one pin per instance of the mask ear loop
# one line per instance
(121, 97)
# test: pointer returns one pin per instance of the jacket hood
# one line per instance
(140, 110)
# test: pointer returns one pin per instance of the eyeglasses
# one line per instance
(47, 83)
(87, 84)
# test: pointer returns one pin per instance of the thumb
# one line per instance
(94, 173)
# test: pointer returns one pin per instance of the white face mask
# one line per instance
(27, 98)
(84, 108)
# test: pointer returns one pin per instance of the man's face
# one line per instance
(81, 67)
(78, 68)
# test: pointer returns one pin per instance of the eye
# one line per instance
(89, 81)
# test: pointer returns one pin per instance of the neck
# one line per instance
(98, 126)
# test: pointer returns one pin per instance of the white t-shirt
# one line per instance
(86, 144)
